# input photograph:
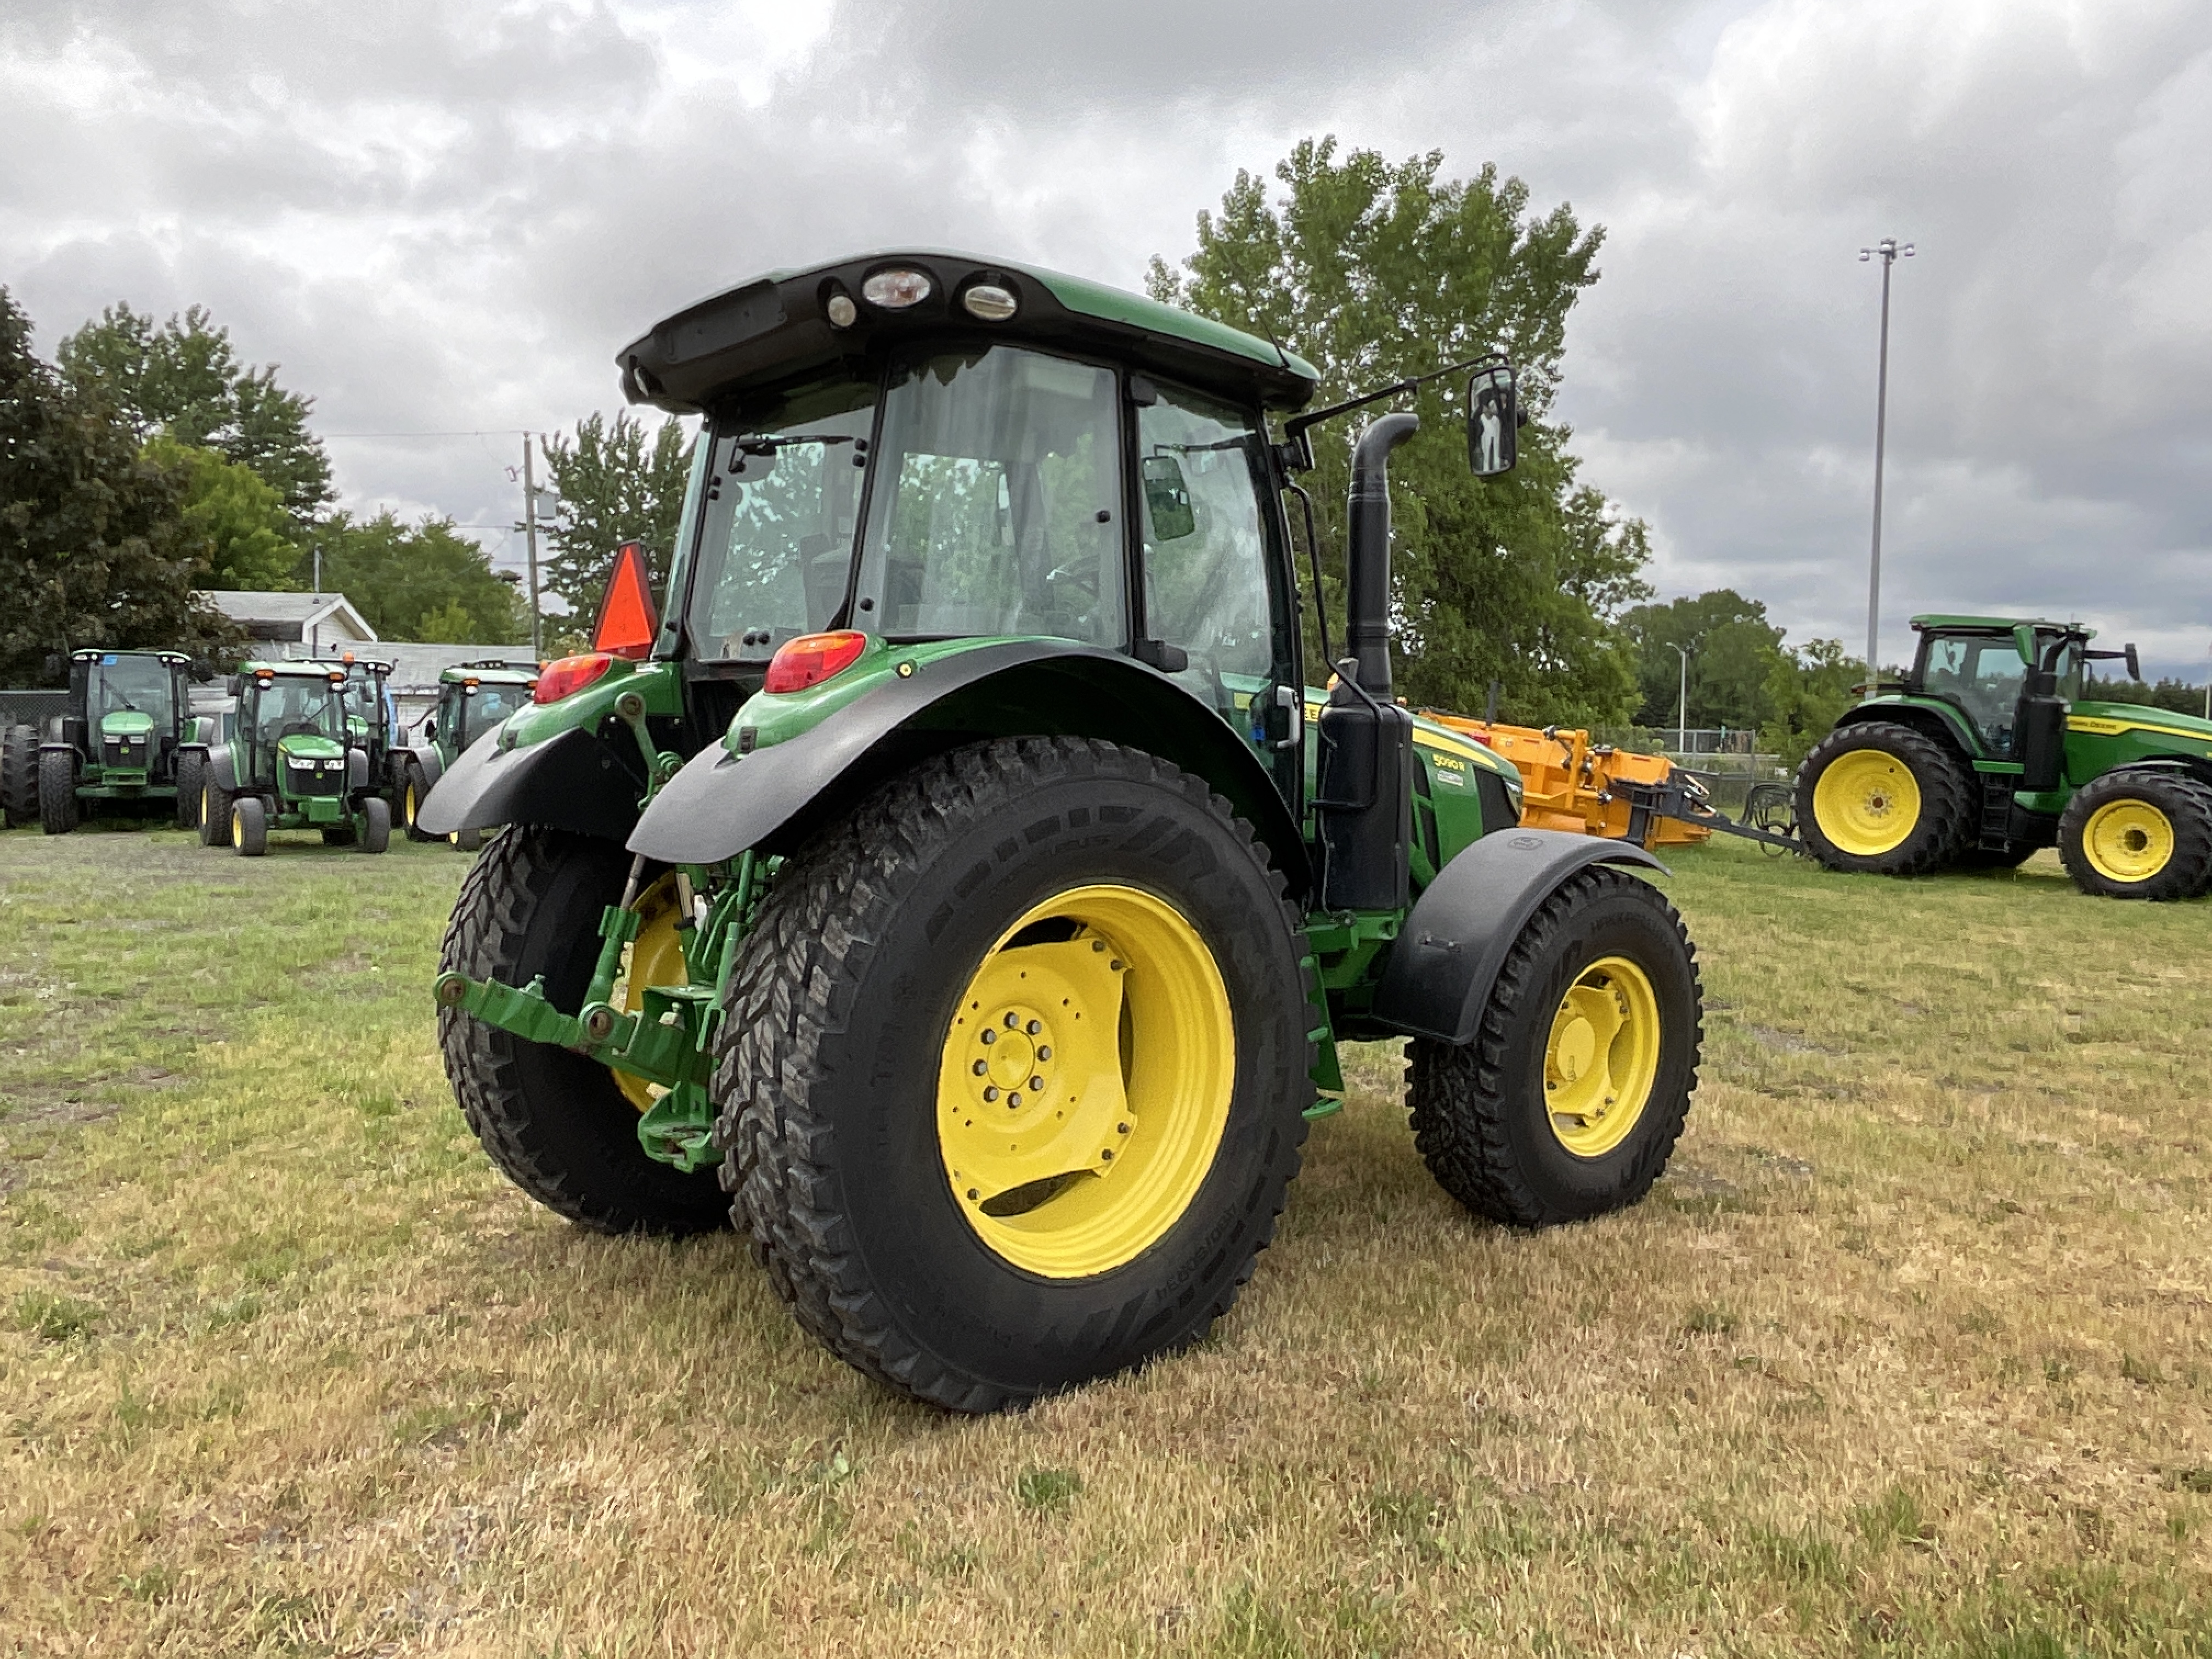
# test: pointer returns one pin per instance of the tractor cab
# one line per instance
(293, 729)
(472, 699)
(370, 715)
(1982, 668)
(295, 760)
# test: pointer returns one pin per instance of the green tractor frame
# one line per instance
(122, 746)
(960, 875)
(298, 758)
(1987, 750)
(473, 698)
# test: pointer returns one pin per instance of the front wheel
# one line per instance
(2139, 835)
(57, 802)
(1569, 1100)
(558, 1124)
(214, 810)
(1012, 1071)
(249, 827)
(412, 789)
(375, 825)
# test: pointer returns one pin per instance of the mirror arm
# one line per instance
(1295, 429)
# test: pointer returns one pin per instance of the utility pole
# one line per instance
(529, 535)
(1890, 253)
(1682, 708)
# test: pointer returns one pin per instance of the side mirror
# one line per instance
(1168, 494)
(2135, 666)
(1494, 422)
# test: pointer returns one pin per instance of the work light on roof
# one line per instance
(896, 290)
(992, 302)
(841, 310)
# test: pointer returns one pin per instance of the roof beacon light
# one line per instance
(895, 290)
(841, 310)
(627, 621)
(993, 301)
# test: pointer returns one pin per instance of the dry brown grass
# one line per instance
(1910, 1351)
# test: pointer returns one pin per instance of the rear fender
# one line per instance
(776, 797)
(1938, 721)
(1460, 931)
(577, 781)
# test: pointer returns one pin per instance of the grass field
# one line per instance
(1912, 1351)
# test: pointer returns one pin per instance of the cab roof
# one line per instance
(2000, 624)
(494, 673)
(775, 328)
(295, 667)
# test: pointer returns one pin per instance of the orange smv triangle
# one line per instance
(628, 621)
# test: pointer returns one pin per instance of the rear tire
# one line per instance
(249, 826)
(192, 767)
(1883, 798)
(376, 825)
(412, 789)
(2139, 834)
(1487, 1115)
(58, 802)
(555, 1123)
(19, 776)
(843, 1087)
(214, 810)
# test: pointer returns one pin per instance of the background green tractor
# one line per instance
(473, 698)
(294, 761)
(1987, 751)
(120, 744)
(994, 942)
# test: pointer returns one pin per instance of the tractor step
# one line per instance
(1994, 833)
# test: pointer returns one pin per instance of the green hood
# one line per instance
(309, 745)
(2165, 722)
(125, 723)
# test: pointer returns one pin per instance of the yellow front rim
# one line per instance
(1867, 802)
(1602, 1056)
(655, 957)
(2128, 840)
(237, 828)
(1085, 1080)
(410, 806)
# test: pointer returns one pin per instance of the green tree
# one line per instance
(245, 537)
(1376, 271)
(400, 576)
(1733, 653)
(450, 624)
(1808, 690)
(618, 482)
(92, 548)
(2176, 695)
(184, 378)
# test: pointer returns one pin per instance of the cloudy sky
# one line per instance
(442, 216)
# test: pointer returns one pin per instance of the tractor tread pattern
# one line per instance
(1457, 1092)
(58, 802)
(2187, 805)
(825, 916)
(19, 776)
(1947, 800)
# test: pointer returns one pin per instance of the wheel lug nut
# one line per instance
(1013, 1021)
(1122, 1128)
(1036, 1083)
(973, 1194)
(1106, 1155)
(1097, 943)
(980, 1067)
(991, 1092)
(1013, 1100)
(1044, 1052)
(1034, 1027)
(990, 1036)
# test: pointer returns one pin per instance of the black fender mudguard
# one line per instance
(774, 798)
(1459, 931)
(426, 759)
(222, 770)
(577, 781)
(356, 770)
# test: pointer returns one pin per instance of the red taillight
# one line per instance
(569, 674)
(811, 659)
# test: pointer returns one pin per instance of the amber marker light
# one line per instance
(811, 659)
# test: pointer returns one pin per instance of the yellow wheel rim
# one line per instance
(655, 957)
(1085, 1080)
(410, 806)
(1866, 802)
(1602, 1057)
(237, 829)
(2128, 840)
(206, 802)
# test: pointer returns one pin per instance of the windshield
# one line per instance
(1983, 675)
(997, 501)
(142, 683)
(485, 708)
(783, 501)
(292, 705)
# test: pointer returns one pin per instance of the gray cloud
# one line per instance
(447, 216)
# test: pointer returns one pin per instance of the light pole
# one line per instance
(1890, 253)
(1682, 707)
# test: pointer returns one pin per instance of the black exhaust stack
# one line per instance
(1367, 799)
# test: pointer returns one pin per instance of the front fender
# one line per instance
(1459, 931)
(222, 770)
(427, 760)
(576, 781)
(774, 798)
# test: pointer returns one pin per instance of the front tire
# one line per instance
(214, 810)
(2139, 835)
(1885, 799)
(19, 776)
(976, 1238)
(58, 802)
(556, 1123)
(376, 824)
(1569, 1100)
(249, 826)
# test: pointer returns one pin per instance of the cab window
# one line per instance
(1982, 675)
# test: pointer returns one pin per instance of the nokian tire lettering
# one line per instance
(554, 1122)
(828, 1057)
(1479, 1112)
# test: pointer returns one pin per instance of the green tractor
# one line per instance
(122, 744)
(296, 760)
(1987, 750)
(473, 698)
(993, 943)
